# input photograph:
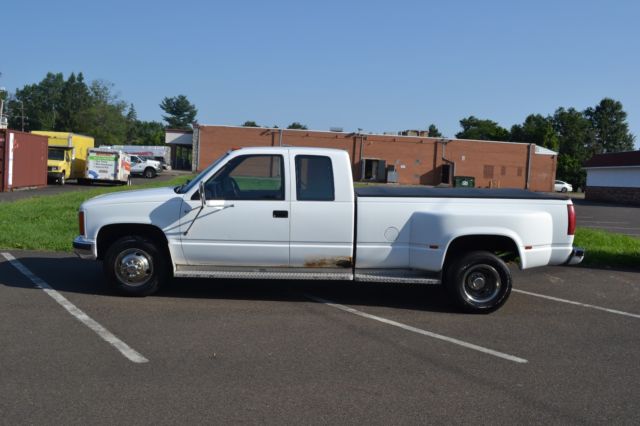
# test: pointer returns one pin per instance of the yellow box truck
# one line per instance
(67, 157)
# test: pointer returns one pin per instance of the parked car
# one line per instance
(144, 166)
(561, 186)
(293, 213)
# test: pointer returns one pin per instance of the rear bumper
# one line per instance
(85, 249)
(576, 256)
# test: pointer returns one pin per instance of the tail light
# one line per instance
(81, 222)
(571, 212)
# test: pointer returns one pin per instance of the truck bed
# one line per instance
(422, 192)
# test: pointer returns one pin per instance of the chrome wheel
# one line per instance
(481, 283)
(134, 267)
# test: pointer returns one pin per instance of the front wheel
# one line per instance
(135, 266)
(479, 282)
(564, 189)
(62, 179)
(149, 173)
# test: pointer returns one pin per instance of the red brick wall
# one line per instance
(418, 160)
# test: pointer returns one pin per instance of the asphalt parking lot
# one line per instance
(563, 350)
(616, 218)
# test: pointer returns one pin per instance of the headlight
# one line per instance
(54, 168)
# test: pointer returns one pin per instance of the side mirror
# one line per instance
(203, 197)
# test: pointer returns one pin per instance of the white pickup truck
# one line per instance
(292, 213)
(145, 166)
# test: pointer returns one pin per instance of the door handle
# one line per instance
(280, 214)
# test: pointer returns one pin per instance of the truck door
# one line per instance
(246, 219)
(322, 214)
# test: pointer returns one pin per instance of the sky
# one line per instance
(380, 66)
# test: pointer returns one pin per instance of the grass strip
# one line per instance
(607, 249)
(51, 222)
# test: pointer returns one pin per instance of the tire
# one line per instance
(563, 190)
(129, 181)
(479, 282)
(149, 173)
(135, 266)
(61, 179)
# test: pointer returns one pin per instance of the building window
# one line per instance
(488, 172)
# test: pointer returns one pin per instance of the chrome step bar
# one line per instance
(257, 273)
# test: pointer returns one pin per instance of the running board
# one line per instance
(188, 271)
(398, 276)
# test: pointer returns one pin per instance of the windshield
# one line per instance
(56, 154)
(183, 189)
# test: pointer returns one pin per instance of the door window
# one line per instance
(248, 177)
(314, 178)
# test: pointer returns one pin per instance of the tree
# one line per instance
(105, 119)
(576, 138)
(74, 100)
(250, 123)
(132, 122)
(296, 125)
(180, 112)
(149, 133)
(41, 101)
(475, 128)
(434, 132)
(609, 122)
(536, 129)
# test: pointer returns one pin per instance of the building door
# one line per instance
(446, 174)
(374, 170)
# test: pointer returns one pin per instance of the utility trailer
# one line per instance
(107, 166)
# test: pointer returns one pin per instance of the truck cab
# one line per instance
(59, 163)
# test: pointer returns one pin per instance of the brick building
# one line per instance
(614, 177)
(413, 160)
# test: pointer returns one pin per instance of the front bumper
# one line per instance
(85, 249)
(576, 256)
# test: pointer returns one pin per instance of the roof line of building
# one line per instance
(368, 134)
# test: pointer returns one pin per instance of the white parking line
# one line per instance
(105, 334)
(419, 330)
(584, 305)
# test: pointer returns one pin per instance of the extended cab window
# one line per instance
(248, 177)
(314, 178)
